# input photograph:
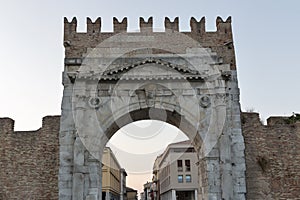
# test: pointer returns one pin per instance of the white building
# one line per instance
(176, 172)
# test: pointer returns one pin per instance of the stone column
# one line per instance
(237, 143)
(107, 196)
(93, 184)
(78, 173)
(226, 167)
(173, 194)
(66, 142)
(213, 185)
(196, 194)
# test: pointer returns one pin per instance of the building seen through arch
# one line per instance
(175, 174)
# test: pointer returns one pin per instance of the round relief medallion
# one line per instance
(94, 102)
(205, 101)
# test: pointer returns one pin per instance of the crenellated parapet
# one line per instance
(70, 27)
(120, 26)
(48, 123)
(219, 41)
(197, 27)
(172, 26)
(224, 26)
(93, 27)
(146, 26)
(31, 159)
(6, 125)
(252, 118)
(272, 156)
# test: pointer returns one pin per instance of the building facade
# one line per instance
(131, 194)
(155, 178)
(178, 172)
(123, 194)
(111, 176)
(148, 193)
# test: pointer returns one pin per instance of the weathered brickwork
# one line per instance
(272, 158)
(220, 41)
(29, 161)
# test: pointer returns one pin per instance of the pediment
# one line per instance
(147, 69)
(150, 69)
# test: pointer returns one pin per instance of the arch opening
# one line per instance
(174, 123)
(139, 145)
(172, 118)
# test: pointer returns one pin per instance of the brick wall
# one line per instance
(272, 157)
(29, 161)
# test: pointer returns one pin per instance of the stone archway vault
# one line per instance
(132, 76)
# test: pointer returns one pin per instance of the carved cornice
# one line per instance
(180, 68)
(122, 72)
(119, 72)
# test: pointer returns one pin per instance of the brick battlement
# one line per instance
(7, 124)
(197, 27)
(253, 119)
(29, 160)
(220, 41)
(272, 157)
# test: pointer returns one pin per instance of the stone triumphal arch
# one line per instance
(187, 79)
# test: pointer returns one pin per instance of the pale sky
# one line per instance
(266, 38)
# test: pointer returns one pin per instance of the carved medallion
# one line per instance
(94, 102)
(204, 101)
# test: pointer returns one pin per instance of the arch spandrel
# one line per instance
(116, 98)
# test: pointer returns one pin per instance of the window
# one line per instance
(189, 150)
(180, 178)
(179, 165)
(187, 165)
(188, 178)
